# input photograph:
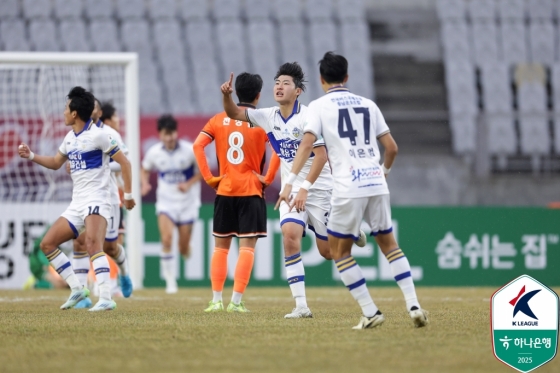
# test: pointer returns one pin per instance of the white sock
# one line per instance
(352, 276)
(401, 271)
(122, 261)
(166, 260)
(217, 296)
(236, 297)
(296, 278)
(80, 264)
(59, 261)
(102, 273)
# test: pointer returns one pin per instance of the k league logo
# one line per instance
(524, 324)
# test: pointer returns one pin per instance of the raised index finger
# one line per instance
(230, 79)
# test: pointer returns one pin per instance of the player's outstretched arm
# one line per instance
(232, 110)
(391, 150)
(302, 154)
(53, 163)
(126, 171)
(273, 167)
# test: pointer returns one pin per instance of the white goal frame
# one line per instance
(134, 235)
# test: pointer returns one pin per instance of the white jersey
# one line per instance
(88, 153)
(285, 136)
(173, 167)
(350, 126)
(115, 197)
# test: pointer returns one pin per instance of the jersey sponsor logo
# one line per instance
(85, 160)
(276, 128)
(366, 173)
(177, 176)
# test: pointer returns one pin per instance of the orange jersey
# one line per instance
(240, 150)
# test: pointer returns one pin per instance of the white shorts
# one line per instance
(315, 216)
(113, 224)
(347, 214)
(180, 213)
(76, 214)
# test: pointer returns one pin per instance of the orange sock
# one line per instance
(218, 268)
(243, 269)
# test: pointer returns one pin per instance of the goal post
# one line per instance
(98, 72)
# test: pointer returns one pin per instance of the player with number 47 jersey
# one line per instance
(239, 208)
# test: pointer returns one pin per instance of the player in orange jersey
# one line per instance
(239, 208)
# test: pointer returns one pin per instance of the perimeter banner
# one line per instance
(450, 246)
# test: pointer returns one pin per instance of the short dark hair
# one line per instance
(333, 67)
(166, 123)
(248, 86)
(82, 102)
(294, 70)
(108, 110)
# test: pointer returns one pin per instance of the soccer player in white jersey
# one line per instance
(178, 192)
(80, 260)
(284, 127)
(350, 125)
(89, 150)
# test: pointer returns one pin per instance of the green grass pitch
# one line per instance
(154, 332)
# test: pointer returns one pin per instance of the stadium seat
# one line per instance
(256, 9)
(451, 10)
(166, 33)
(461, 87)
(226, 9)
(455, 40)
(99, 9)
(72, 36)
(230, 35)
(130, 9)
(9, 9)
(556, 139)
(349, 9)
(162, 9)
(514, 42)
(555, 83)
(193, 9)
(178, 90)
(511, 10)
(482, 10)
(497, 95)
(12, 34)
(540, 9)
(484, 42)
(150, 96)
(541, 42)
(286, 10)
(68, 8)
(532, 97)
(319, 10)
(293, 38)
(463, 133)
(264, 60)
(199, 38)
(354, 37)
(501, 139)
(36, 9)
(103, 35)
(135, 35)
(322, 37)
(42, 35)
(534, 134)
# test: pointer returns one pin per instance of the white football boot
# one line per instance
(370, 322)
(362, 241)
(299, 313)
(419, 317)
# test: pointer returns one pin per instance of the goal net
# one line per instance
(33, 89)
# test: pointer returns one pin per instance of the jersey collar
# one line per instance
(246, 105)
(99, 123)
(295, 110)
(87, 126)
(337, 88)
(172, 150)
